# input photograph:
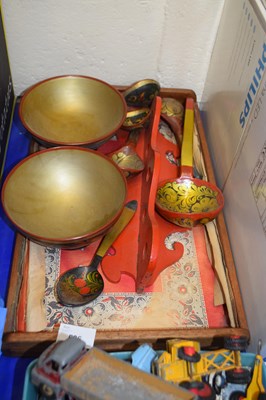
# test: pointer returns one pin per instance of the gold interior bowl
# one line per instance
(72, 110)
(64, 197)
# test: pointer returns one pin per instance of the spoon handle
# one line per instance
(126, 216)
(187, 143)
(133, 137)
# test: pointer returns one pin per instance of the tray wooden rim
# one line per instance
(33, 343)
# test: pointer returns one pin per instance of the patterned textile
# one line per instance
(176, 300)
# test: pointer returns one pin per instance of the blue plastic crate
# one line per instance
(30, 391)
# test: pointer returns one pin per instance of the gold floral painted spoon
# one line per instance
(187, 201)
(127, 158)
(83, 284)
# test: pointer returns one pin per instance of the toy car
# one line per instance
(58, 358)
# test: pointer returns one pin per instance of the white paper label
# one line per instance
(85, 334)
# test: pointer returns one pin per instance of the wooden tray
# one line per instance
(17, 343)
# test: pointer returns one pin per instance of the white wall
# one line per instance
(119, 41)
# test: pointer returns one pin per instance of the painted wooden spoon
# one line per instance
(83, 284)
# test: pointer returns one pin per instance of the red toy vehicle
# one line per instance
(53, 363)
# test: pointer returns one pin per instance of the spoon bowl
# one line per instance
(141, 93)
(172, 108)
(128, 161)
(187, 202)
(78, 286)
(126, 158)
(136, 118)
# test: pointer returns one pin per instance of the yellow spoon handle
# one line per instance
(187, 142)
(125, 217)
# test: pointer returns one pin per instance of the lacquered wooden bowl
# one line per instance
(64, 196)
(72, 110)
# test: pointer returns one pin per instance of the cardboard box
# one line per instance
(245, 213)
(235, 74)
(235, 111)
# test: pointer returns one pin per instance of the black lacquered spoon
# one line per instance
(82, 284)
(141, 93)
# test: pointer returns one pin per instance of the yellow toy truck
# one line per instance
(183, 363)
